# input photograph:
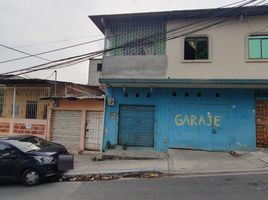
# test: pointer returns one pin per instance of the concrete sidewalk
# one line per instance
(175, 162)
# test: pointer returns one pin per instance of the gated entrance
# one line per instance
(94, 130)
(136, 125)
(201, 127)
(262, 123)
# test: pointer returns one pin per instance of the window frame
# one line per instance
(247, 47)
(31, 111)
(210, 49)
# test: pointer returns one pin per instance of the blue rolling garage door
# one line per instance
(136, 125)
(203, 127)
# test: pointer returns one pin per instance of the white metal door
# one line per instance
(66, 127)
(94, 130)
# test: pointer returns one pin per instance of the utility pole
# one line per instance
(55, 84)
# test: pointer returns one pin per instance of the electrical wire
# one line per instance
(50, 51)
(56, 41)
(29, 55)
(81, 58)
(50, 75)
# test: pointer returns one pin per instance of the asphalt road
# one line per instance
(246, 187)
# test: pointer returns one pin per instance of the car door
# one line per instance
(8, 161)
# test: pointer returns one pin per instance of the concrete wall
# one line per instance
(93, 74)
(239, 123)
(228, 52)
(149, 66)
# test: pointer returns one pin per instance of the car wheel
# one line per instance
(30, 177)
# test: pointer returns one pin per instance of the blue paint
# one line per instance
(136, 125)
(236, 108)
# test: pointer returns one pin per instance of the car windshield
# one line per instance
(24, 146)
(39, 142)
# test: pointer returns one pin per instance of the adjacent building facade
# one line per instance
(63, 112)
(193, 79)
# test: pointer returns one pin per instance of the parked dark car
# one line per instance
(28, 158)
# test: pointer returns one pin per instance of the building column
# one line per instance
(83, 130)
(48, 134)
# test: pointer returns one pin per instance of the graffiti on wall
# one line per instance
(198, 120)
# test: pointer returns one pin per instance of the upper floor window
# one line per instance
(136, 37)
(196, 48)
(258, 47)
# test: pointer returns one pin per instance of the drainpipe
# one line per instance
(14, 103)
(103, 128)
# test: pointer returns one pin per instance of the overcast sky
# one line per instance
(35, 26)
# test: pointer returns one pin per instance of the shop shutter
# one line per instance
(66, 127)
(136, 125)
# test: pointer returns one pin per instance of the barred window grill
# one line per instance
(2, 98)
(1, 108)
(28, 103)
(31, 109)
(137, 37)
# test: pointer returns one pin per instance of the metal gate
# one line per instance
(201, 127)
(136, 125)
(262, 123)
(94, 130)
(66, 126)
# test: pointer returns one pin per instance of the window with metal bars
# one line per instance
(145, 37)
(2, 98)
(31, 109)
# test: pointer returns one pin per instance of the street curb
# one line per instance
(127, 173)
(167, 174)
(196, 174)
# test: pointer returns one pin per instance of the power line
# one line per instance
(56, 41)
(29, 55)
(50, 51)
(81, 58)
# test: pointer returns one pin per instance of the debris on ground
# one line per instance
(106, 177)
(235, 154)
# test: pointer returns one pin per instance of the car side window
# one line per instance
(4, 149)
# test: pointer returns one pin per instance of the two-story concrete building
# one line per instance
(194, 79)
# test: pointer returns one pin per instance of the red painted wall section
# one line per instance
(34, 129)
(4, 127)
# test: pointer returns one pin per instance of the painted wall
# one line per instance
(24, 95)
(240, 120)
(228, 50)
(154, 66)
(85, 104)
(93, 74)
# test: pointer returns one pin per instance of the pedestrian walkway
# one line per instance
(176, 161)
